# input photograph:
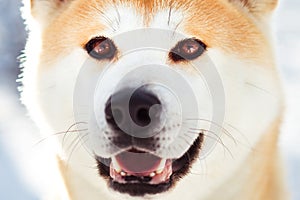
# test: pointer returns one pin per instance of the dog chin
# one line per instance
(140, 173)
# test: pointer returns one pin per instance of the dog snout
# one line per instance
(127, 109)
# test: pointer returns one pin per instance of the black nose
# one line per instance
(126, 107)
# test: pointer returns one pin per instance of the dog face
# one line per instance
(98, 66)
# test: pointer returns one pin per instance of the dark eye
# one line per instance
(187, 49)
(101, 48)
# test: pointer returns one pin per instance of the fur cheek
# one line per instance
(250, 89)
(56, 85)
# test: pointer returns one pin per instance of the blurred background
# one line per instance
(13, 118)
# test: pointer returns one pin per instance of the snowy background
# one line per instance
(12, 114)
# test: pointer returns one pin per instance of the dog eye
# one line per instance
(101, 48)
(187, 49)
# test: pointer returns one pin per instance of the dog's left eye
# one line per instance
(187, 49)
(101, 48)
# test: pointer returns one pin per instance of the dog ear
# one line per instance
(51, 3)
(47, 9)
(258, 8)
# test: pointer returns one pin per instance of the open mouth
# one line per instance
(139, 173)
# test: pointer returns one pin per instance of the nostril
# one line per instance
(141, 110)
(114, 116)
(142, 117)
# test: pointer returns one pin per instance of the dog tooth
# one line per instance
(152, 174)
(159, 171)
(123, 173)
(162, 164)
(115, 165)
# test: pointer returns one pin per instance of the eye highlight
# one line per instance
(187, 49)
(101, 48)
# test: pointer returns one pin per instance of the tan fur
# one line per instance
(63, 168)
(266, 166)
(220, 24)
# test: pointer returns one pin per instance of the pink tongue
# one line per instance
(138, 163)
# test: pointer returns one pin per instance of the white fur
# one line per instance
(254, 99)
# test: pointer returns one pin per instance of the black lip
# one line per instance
(180, 167)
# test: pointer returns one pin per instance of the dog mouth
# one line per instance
(138, 173)
(135, 166)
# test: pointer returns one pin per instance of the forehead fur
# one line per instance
(219, 23)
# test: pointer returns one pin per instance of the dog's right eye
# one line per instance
(101, 48)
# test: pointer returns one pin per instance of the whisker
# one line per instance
(57, 134)
(217, 125)
(86, 149)
(259, 88)
(176, 27)
(184, 139)
(76, 144)
(240, 132)
(227, 132)
(217, 139)
(170, 14)
(107, 19)
(68, 131)
(74, 140)
(118, 15)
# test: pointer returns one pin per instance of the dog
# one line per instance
(112, 133)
